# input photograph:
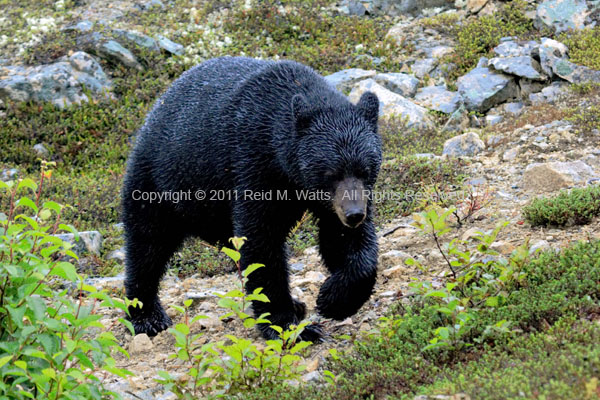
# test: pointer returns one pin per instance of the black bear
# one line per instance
(263, 141)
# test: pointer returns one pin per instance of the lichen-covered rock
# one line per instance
(438, 98)
(400, 7)
(562, 15)
(423, 67)
(112, 50)
(403, 84)
(89, 242)
(170, 46)
(549, 94)
(522, 66)
(60, 83)
(345, 79)
(392, 104)
(464, 145)
(483, 88)
(509, 47)
(134, 38)
(575, 73)
(549, 52)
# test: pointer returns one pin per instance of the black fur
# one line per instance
(237, 124)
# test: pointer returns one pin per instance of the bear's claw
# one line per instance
(150, 322)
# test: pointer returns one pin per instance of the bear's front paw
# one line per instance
(150, 321)
(340, 298)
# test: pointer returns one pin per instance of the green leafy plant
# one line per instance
(236, 364)
(51, 345)
(569, 207)
(477, 277)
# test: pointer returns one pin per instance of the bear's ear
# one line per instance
(300, 111)
(369, 105)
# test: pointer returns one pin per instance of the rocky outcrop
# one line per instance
(62, 83)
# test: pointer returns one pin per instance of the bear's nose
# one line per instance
(354, 217)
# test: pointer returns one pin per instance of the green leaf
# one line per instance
(234, 255)
(4, 360)
(27, 202)
(251, 268)
(183, 328)
(51, 205)
(38, 306)
(27, 183)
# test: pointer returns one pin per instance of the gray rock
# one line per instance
(134, 38)
(345, 79)
(352, 7)
(89, 242)
(423, 67)
(549, 94)
(41, 150)
(297, 267)
(170, 46)
(439, 51)
(118, 254)
(528, 87)
(575, 73)
(400, 7)
(150, 4)
(562, 15)
(392, 104)
(112, 50)
(515, 109)
(483, 62)
(60, 83)
(510, 154)
(403, 84)
(511, 48)
(483, 88)
(491, 120)
(438, 98)
(539, 245)
(549, 52)
(553, 176)
(522, 66)
(458, 121)
(464, 145)
(84, 26)
(110, 282)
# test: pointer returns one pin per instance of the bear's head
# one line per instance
(338, 153)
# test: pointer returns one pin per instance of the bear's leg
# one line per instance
(147, 255)
(350, 254)
(266, 231)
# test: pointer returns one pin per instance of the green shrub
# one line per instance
(573, 207)
(391, 363)
(235, 365)
(51, 346)
(584, 46)
(446, 23)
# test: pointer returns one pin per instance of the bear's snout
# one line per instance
(350, 203)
